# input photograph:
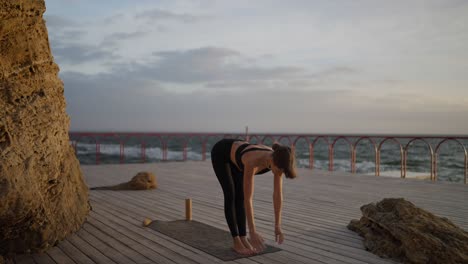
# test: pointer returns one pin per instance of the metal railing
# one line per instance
(377, 142)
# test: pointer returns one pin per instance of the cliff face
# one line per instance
(43, 196)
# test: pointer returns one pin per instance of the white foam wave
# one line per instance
(136, 151)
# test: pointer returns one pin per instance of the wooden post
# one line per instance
(247, 134)
(188, 209)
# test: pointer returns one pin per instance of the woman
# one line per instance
(235, 163)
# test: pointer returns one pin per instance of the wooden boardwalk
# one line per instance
(317, 207)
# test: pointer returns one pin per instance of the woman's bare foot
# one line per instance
(239, 247)
(246, 243)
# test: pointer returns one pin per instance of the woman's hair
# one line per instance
(284, 159)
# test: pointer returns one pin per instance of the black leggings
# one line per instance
(231, 180)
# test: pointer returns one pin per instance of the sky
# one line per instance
(310, 66)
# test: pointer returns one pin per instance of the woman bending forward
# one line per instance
(235, 162)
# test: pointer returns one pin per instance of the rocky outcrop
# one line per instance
(142, 181)
(397, 229)
(43, 197)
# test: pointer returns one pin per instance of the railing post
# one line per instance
(74, 146)
(466, 167)
(330, 158)
(405, 154)
(432, 166)
(247, 134)
(143, 151)
(98, 150)
(121, 154)
(311, 156)
(402, 157)
(377, 162)
(164, 151)
(204, 150)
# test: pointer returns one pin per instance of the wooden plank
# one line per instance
(88, 249)
(43, 258)
(144, 249)
(178, 253)
(59, 256)
(287, 257)
(116, 245)
(24, 259)
(74, 253)
(103, 248)
(134, 232)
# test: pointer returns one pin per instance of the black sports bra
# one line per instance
(241, 150)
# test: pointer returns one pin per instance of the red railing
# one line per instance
(292, 140)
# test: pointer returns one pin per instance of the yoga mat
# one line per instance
(206, 238)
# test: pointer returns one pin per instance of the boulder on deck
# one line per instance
(397, 229)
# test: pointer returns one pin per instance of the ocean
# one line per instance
(450, 158)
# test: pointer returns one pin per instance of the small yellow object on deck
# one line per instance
(188, 209)
(147, 222)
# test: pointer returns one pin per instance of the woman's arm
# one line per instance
(278, 198)
(256, 239)
(248, 197)
(277, 204)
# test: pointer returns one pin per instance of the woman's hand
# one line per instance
(279, 236)
(257, 241)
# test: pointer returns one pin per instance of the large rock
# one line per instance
(43, 197)
(395, 228)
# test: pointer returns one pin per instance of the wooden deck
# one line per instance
(317, 207)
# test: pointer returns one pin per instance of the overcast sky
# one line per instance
(277, 66)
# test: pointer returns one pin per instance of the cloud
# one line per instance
(113, 18)
(80, 53)
(114, 38)
(163, 15)
(72, 34)
(339, 70)
(207, 67)
(58, 22)
(206, 64)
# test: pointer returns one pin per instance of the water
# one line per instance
(450, 161)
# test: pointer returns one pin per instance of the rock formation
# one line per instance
(141, 181)
(43, 196)
(397, 229)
